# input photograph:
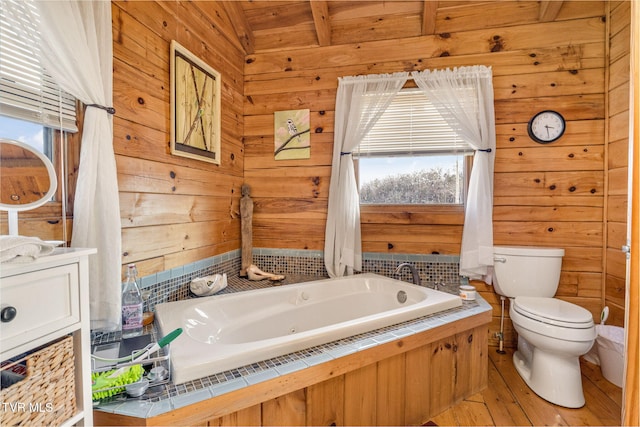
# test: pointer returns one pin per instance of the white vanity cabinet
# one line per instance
(44, 300)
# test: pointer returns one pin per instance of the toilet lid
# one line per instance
(554, 311)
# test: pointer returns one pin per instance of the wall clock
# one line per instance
(546, 126)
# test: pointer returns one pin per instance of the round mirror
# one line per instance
(27, 177)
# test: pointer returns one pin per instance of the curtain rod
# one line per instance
(482, 72)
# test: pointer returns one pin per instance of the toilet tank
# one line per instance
(526, 270)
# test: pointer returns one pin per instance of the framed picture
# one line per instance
(292, 135)
(195, 107)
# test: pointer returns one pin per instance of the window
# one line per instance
(33, 108)
(412, 156)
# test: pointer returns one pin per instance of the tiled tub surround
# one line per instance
(178, 396)
(297, 266)
(174, 397)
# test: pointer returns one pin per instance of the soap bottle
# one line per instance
(131, 305)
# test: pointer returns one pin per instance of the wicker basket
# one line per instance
(46, 396)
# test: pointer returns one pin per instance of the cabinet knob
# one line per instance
(8, 314)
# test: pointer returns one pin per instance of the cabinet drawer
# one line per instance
(45, 301)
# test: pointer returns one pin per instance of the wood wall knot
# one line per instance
(497, 44)
(141, 100)
(572, 189)
(552, 187)
(550, 230)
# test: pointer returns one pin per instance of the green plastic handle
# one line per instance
(169, 337)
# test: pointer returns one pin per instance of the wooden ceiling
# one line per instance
(266, 25)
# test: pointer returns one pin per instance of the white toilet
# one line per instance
(552, 334)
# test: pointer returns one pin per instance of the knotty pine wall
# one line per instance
(548, 195)
(177, 210)
(174, 210)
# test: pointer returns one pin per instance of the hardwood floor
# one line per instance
(507, 401)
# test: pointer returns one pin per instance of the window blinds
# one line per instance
(411, 125)
(27, 91)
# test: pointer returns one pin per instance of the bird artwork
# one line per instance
(292, 135)
(293, 130)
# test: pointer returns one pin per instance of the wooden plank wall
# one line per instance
(551, 195)
(618, 158)
(174, 210)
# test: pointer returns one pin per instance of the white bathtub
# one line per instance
(232, 330)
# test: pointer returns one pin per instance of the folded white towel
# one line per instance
(209, 285)
(23, 248)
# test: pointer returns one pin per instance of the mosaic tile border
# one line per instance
(176, 396)
(173, 285)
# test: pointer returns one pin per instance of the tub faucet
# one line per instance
(438, 284)
(414, 272)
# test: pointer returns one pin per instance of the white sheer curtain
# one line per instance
(360, 102)
(76, 48)
(464, 97)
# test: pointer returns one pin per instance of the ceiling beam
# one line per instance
(429, 10)
(241, 25)
(549, 10)
(322, 21)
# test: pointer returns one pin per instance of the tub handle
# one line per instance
(499, 259)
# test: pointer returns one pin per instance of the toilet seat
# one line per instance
(553, 311)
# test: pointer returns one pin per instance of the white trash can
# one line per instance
(610, 342)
